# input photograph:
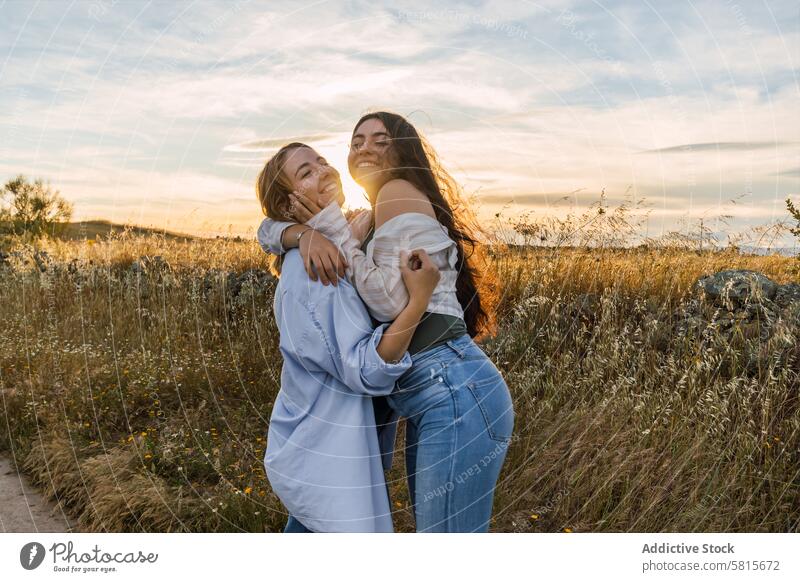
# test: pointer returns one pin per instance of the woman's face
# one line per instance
(309, 173)
(372, 156)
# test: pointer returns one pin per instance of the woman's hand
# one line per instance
(302, 208)
(321, 254)
(419, 274)
(360, 225)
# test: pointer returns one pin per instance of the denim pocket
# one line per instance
(423, 388)
(492, 396)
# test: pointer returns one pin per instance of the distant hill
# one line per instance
(786, 251)
(91, 229)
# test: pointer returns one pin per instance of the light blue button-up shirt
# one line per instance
(323, 458)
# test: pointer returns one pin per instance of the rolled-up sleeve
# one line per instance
(375, 371)
(335, 335)
(270, 233)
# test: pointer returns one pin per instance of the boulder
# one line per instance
(735, 288)
(787, 294)
(736, 301)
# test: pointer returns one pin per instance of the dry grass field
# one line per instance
(138, 374)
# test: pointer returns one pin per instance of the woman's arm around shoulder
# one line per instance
(270, 235)
(320, 256)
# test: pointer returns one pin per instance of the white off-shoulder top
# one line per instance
(376, 272)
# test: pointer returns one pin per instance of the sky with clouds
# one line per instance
(163, 113)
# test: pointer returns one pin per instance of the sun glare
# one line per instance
(336, 154)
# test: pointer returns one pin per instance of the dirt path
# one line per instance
(22, 508)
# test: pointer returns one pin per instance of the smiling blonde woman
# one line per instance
(323, 458)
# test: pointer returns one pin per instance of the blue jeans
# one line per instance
(293, 525)
(459, 421)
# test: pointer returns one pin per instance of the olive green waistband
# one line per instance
(435, 329)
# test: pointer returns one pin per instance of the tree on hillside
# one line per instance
(33, 207)
(795, 212)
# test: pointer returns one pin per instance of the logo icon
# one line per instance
(31, 555)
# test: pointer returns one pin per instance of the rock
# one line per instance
(787, 294)
(232, 284)
(692, 325)
(736, 288)
(735, 302)
(252, 279)
(258, 276)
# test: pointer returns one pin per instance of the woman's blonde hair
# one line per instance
(273, 189)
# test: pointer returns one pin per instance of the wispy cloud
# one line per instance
(262, 145)
(731, 146)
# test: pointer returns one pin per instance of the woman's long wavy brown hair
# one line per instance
(418, 163)
(273, 189)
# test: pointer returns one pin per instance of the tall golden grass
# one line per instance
(137, 392)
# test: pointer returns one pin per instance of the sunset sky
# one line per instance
(162, 113)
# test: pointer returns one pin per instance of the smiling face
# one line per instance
(372, 157)
(309, 173)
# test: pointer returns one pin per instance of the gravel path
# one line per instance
(22, 508)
